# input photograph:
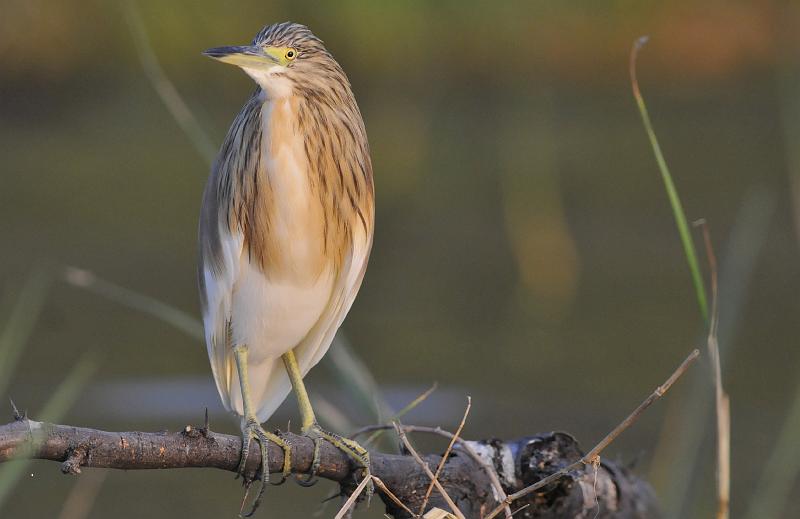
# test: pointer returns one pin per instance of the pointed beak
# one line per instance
(242, 56)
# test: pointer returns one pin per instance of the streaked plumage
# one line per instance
(286, 222)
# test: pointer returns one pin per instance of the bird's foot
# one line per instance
(252, 430)
(358, 454)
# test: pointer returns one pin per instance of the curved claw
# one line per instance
(350, 447)
(240, 470)
(280, 481)
(257, 501)
(308, 480)
(253, 430)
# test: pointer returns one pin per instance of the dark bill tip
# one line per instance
(221, 52)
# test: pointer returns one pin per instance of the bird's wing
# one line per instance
(218, 274)
(218, 288)
(341, 302)
(220, 247)
(220, 252)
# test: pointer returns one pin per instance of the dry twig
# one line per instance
(593, 455)
(383, 488)
(352, 499)
(399, 414)
(722, 400)
(491, 473)
(427, 470)
(445, 456)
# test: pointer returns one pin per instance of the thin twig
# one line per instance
(411, 405)
(500, 493)
(445, 456)
(677, 452)
(382, 487)
(722, 400)
(427, 470)
(593, 455)
(352, 499)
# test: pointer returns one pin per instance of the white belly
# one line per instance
(273, 316)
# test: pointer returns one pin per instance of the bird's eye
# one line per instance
(291, 54)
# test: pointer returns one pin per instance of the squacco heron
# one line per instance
(285, 232)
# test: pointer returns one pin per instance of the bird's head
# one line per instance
(281, 57)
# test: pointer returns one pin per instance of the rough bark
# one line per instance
(603, 492)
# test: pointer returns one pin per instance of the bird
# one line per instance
(285, 233)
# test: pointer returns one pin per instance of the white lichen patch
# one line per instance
(490, 455)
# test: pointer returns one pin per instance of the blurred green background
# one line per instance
(525, 252)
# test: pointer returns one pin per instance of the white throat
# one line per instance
(271, 80)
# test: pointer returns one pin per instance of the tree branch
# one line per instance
(612, 489)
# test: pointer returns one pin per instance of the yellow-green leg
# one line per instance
(252, 429)
(311, 428)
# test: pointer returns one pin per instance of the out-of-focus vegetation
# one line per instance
(14, 337)
(525, 252)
